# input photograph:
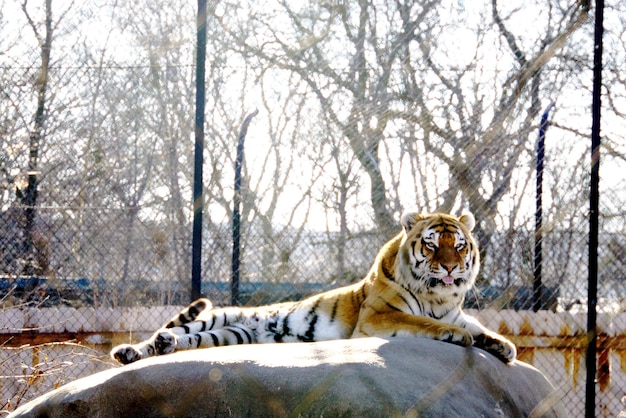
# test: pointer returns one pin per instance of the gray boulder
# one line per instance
(361, 377)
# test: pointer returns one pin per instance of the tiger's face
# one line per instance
(439, 253)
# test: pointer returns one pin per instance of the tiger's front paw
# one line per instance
(458, 336)
(125, 354)
(497, 345)
(165, 343)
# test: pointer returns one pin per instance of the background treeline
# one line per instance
(366, 109)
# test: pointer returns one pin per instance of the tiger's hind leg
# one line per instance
(185, 337)
(161, 342)
(188, 338)
(127, 353)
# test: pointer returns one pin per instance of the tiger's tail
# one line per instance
(190, 313)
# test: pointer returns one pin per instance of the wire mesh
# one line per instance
(365, 111)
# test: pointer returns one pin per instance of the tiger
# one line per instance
(415, 287)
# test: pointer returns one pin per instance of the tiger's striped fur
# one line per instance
(416, 286)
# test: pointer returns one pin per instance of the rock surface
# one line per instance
(361, 377)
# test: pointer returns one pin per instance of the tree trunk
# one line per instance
(29, 197)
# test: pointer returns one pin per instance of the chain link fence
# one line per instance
(365, 111)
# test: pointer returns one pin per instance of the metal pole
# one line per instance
(235, 262)
(198, 198)
(594, 199)
(537, 289)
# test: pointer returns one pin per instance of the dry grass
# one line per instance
(30, 371)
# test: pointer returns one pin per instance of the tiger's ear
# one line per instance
(468, 220)
(409, 220)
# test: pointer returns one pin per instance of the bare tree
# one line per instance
(378, 70)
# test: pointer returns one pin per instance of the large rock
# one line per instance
(361, 377)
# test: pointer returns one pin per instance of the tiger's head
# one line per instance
(438, 256)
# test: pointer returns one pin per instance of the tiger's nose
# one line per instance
(448, 267)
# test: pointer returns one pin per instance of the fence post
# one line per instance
(235, 264)
(537, 289)
(594, 199)
(198, 197)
